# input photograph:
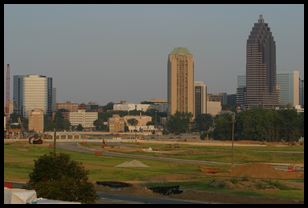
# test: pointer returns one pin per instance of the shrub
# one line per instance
(60, 178)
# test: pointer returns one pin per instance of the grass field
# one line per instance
(19, 160)
(268, 154)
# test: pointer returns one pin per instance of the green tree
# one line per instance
(99, 124)
(204, 122)
(79, 127)
(109, 106)
(61, 123)
(60, 178)
(150, 123)
(223, 126)
(132, 121)
(179, 122)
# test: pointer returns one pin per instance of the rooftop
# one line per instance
(180, 50)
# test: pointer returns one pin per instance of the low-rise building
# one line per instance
(86, 119)
(36, 120)
(72, 107)
(116, 124)
(213, 107)
(131, 107)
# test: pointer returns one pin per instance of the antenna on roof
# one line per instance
(261, 20)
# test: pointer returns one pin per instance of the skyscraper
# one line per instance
(32, 92)
(261, 88)
(288, 88)
(241, 91)
(200, 98)
(181, 81)
(301, 92)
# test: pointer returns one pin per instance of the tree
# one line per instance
(132, 121)
(60, 178)
(109, 106)
(79, 127)
(150, 123)
(61, 123)
(204, 122)
(99, 124)
(179, 122)
(223, 126)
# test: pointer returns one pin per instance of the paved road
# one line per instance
(110, 198)
(74, 146)
(79, 148)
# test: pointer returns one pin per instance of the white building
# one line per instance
(131, 107)
(289, 88)
(213, 107)
(82, 117)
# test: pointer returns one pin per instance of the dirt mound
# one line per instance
(262, 171)
(132, 164)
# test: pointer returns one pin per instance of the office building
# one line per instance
(86, 119)
(288, 88)
(213, 107)
(200, 98)
(69, 106)
(241, 91)
(32, 92)
(231, 99)
(261, 86)
(158, 104)
(181, 81)
(301, 92)
(36, 121)
(54, 99)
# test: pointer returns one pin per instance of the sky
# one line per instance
(107, 53)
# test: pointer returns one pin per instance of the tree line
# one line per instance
(254, 124)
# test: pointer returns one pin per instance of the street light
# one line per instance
(233, 121)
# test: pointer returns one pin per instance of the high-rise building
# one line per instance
(36, 120)
(261, 87)
(241, 81)
(288, 88)
(181, 81)
(32, 92)
(54, 99)
(200, 98)
(241, 91)
(301, 92)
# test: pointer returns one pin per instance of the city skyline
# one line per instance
(128, 62)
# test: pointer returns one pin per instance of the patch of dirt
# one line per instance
(229, 198)
(262, 171)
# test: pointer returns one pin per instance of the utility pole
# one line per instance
(54, 142)
(233, 121)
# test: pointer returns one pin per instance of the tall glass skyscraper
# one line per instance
(261, 87)
(32, 92)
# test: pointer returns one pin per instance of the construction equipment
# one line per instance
(35, 139)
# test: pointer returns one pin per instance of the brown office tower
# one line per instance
(180, 81)
(261, 88)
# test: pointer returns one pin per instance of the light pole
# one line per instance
(233, 121)
(54, 142)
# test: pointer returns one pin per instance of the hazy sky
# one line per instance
(108, 53)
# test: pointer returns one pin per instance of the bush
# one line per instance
(217, 184)
(60, 178)
(234, 180)
(202, 136)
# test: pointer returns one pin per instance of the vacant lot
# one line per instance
(199, 182)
